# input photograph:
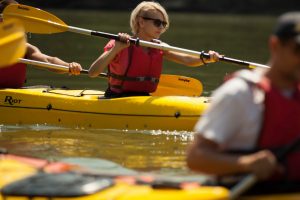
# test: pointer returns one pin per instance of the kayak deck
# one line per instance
(30, 178)
(89, 109)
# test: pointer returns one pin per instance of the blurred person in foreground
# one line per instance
(254, 115)
(14, 76)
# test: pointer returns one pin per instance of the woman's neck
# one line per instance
(144, 36)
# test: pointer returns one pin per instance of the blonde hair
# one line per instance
(142, 9)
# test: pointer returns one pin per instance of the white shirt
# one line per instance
(234, 118)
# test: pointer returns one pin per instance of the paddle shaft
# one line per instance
(242, 186)
(44, 65)
(133, 41)
(251, 179)
(162, 46)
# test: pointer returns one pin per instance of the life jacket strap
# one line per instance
(138, 78)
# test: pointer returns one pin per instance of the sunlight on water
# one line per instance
(36, 127)
(181, 135)
(160, 152)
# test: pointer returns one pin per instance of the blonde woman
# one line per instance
(135, 70)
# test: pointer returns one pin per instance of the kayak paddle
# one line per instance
(251, 179)
(169, 85)
(38, 21)
(12, 42)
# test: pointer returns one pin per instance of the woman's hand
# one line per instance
(124, 41)
(74, 68)
(214, 57)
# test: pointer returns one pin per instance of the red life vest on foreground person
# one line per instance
(13, 76)
(138, 73)
(281, 121)
(281, 125)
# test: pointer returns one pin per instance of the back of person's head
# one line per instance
(288, 27)
(142, 9)
(5, 3)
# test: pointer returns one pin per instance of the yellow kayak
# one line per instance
(89, 109)
(31, 178)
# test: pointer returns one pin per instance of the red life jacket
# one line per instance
(13, 76)
(281, 125)
(140, 72)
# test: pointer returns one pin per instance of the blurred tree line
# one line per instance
(212, 6)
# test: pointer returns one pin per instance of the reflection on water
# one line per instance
(155, 151)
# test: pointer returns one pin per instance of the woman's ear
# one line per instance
(141, 22)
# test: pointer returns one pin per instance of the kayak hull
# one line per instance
(88, 109)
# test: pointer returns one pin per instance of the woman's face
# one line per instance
(152, 24)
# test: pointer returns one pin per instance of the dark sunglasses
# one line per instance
(157, 22)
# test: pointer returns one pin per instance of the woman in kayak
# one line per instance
(135, 70)
(14, 76)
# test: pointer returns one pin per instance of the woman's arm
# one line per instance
(189, 60)
(102, 62)
(205, 156)
(34, 53)
(107, 57)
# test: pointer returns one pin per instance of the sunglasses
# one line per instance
(157, 22)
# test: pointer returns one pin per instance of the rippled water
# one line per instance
(155, 151)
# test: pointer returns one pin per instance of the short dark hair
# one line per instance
(288, 27)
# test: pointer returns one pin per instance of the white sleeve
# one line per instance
(224, 116)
